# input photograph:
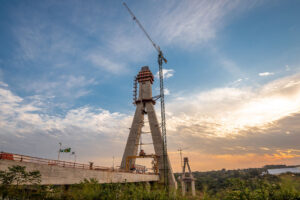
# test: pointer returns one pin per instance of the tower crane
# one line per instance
(161, 59)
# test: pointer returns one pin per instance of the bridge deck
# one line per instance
(61, 175)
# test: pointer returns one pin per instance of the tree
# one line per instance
(19, 176)
(13, 183)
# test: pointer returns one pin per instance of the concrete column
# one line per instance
(145, 90)
(158, 144)
(188, 181)
(134, 135)
(183, 187)
(193, 187)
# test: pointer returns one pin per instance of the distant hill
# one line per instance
(279, 166)
(216, 180)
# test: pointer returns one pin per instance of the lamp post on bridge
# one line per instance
(75, 157)
(60, 144)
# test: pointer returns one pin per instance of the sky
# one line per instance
(232, 80)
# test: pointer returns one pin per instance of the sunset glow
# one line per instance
(232, 81)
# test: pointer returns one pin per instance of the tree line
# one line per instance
(246, 184)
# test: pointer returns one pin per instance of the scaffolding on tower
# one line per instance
(161, 59)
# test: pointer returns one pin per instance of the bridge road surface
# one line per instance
(58, 175)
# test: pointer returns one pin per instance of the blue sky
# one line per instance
(67, 68)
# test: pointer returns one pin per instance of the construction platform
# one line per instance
(55, 172)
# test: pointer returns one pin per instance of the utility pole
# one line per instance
(75, 157)
(180, 152)
(113, 162)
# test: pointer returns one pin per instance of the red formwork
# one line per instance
(6, 156)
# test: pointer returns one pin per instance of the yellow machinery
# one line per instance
(155, 161)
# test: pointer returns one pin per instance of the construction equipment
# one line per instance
(154, 163)
(161, 59)
(134, 90)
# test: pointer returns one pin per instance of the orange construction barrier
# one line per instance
(6, 156)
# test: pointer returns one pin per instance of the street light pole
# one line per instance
(59, 151)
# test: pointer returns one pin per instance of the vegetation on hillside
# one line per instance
(246, 184)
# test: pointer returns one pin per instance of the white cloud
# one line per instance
(266, 74)
(229, 110)
(8, 97)
(22, 119)
(223, 111)
(166, 91)
(167, 73)
(287, 68)
(3, 84)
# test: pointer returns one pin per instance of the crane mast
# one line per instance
(160, 60)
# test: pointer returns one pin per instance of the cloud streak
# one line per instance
(266, 74)
(107, 64)
(195, 22)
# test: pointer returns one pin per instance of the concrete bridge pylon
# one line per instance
(187, 179)
(145, 106)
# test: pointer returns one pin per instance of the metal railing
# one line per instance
(60, 163)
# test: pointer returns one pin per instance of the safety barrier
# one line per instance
(30, 159)
(60, 163)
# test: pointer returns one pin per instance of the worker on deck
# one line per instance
(142, 153)
(132, 167)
